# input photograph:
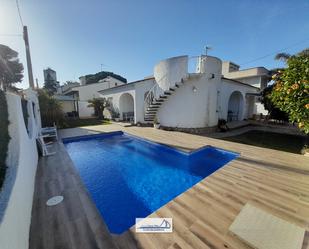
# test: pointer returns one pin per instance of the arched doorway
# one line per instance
(235, 107)
(126, 107)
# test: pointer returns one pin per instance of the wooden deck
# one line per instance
(275, 181)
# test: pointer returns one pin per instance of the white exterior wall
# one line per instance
(32, 95)
(90, 91)
(83, 110)
(141, 90)
(189, 109)
(226, 89)
(170, 71)
(22, 159)
(228, 66)
(253, 81)
(116, 95)
(198, 103)
(67, 106)
(137, 91)
(209, 64)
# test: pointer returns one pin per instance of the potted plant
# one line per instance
(156, 123)
(222, 125)
(305, 150)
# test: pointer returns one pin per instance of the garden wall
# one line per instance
(17, 193)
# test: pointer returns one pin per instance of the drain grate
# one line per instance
(54, 200)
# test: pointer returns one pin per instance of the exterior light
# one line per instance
(194, 89)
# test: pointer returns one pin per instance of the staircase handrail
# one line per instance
(154, 93)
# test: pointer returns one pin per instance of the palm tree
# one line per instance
(285, 56)
(282, 56)
(99, 105)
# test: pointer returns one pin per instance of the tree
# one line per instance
(291, 89)
(50, 85)
(99, 105)
(285, 56)
(282, 56)
(50, 109)
(274, 112)
(11, 70)
(94, 78)
(71, 82)
(4, 135)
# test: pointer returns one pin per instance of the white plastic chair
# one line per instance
(50, 132)
(45, 147)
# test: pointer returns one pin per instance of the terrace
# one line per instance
(274, 181)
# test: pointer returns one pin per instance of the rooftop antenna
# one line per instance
(207, 48)
(103, 65)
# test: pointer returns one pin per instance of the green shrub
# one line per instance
(291, 90)
(98, 105)
(50, 109)
(71, 123)
(94, 78)
(4, 135)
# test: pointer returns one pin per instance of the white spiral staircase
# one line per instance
(156, 97)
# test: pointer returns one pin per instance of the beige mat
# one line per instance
(263, 230)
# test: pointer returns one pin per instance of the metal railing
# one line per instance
(156, 91)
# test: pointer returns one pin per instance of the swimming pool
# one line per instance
(129, 177)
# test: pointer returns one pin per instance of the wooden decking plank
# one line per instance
(277, 182)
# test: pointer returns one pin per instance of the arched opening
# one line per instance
(235, 107)
(126, 107)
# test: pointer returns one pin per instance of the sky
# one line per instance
(78, 37)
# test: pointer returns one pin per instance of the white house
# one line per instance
(68, 104)
(74, 97)
(85, 92)
(257, 76)
(66, 87)
(183, 100)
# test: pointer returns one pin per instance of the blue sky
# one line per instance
(74, 37)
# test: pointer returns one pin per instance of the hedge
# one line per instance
(4, 135)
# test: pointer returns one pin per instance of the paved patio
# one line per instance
(275, 181)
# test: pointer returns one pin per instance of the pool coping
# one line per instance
(169, 147)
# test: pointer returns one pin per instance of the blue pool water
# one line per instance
(128, 177)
